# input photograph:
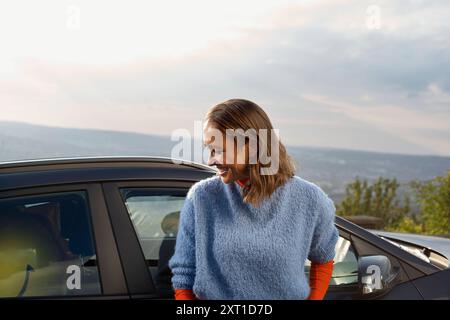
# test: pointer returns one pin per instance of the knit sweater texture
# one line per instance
(229, 249)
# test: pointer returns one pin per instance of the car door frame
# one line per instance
(112, 279)
(137, 274)
(403, 288)
(344, 290)
(136, 271)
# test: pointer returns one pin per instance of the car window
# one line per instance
(345, 268)
(155, 215)
(46, 246)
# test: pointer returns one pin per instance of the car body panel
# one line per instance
(434, 286)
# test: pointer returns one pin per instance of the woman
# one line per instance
(246, 233)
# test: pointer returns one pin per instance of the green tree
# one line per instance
(378, 199)
(407, 224)
(434, 200)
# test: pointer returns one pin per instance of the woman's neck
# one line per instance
(243, 182)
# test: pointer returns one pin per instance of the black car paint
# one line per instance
(122, 265)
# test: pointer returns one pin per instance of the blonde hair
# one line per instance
(245, 114)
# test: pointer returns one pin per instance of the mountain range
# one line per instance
(330, 168)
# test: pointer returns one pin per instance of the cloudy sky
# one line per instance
(368, 75)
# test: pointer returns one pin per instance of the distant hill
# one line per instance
(330, 168)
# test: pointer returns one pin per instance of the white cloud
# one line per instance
(151, 67)
(396, 120)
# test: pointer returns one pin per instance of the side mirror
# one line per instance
(375, 274)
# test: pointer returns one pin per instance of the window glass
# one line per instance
(46, 246)
(155, 216)
(345, 268)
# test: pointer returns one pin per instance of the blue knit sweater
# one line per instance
(228, 249)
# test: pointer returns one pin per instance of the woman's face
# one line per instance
(231, 165)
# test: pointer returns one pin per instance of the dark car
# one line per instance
(106, 228)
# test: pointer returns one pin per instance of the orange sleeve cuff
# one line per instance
(184, 294)
(319, 279)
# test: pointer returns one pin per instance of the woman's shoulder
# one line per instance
(310, 196)
(305, 188)
(207, 186)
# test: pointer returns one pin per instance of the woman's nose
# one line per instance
(215, 159)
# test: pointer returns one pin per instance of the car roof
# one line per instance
(25, 165)
(38, 172)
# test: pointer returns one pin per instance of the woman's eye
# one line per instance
(214, 152)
